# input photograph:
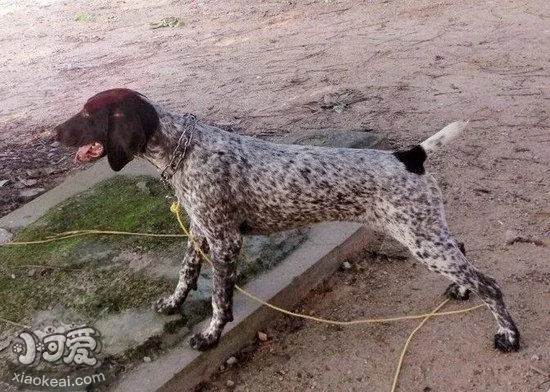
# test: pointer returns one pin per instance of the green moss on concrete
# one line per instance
(82, 273)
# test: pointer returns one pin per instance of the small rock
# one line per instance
(230, 383)
(31, 272)
(511, 237)
(535, 357)
(29, 182)
(54, 144)
(147, 359)
(4, 183)
(231, 361)
(50, 170)
(346, 265)
(5, 236)
(13, 276)
(33, 173)
(262, 336)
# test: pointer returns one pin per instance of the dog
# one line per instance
(232, 185)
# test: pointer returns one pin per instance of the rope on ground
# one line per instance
(80, 233)
(402, 356)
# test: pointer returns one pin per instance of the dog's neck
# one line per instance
(173, 133)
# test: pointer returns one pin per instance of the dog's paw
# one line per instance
(203, 341)
(455, 291)
(507, 340)
(166, 305)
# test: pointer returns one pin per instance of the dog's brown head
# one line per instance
(117, 123)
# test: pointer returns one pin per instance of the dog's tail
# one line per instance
(443, 137)
(414, 158)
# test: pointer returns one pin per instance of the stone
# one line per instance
(510, 236)
(33, 173)
(29, 182)
(231, 361)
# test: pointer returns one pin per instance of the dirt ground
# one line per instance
(268, 68)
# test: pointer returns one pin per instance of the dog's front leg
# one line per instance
(188, 274)
(224, 259)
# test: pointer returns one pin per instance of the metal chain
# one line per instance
(179, 154)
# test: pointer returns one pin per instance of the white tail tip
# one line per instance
(444, 136)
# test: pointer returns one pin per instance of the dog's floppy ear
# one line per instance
(125, 138)
(131, 123)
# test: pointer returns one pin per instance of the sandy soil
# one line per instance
(266, 68)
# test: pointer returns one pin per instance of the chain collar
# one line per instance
(179, 153)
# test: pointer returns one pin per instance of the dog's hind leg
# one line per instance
(436, 248)
(455, 291)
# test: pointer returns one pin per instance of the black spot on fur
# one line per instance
(413, 159)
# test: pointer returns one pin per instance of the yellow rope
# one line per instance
(402, 356)
(79, 233)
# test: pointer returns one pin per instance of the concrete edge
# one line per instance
(74, 184)
(182, 369)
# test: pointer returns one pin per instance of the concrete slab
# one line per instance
(181, 369)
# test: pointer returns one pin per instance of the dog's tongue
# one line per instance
(88, 152)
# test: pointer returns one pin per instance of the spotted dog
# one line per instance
(233, 185)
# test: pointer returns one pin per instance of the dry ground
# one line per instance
(404, 68)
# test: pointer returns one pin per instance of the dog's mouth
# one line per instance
(89, 152)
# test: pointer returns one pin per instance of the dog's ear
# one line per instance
(125, 138)
(131, 122)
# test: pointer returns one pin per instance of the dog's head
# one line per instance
(117, 123)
